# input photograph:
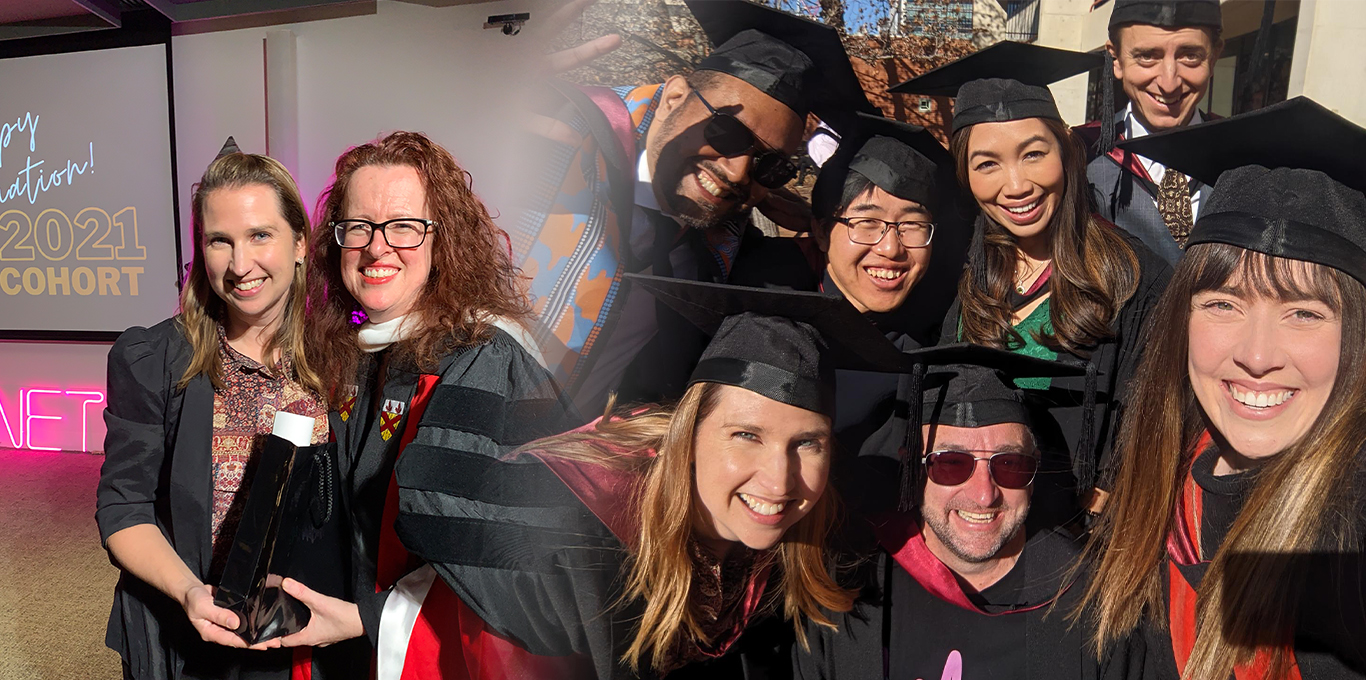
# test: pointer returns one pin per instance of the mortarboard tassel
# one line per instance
(1106, 142)
(1085, 466)
(911, 452)
(229, 147)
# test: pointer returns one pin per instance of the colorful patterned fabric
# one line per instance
(243, 412)
(570, 242)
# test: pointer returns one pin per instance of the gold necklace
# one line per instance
(1020, 283)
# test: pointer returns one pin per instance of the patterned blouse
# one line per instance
(243, 413)
(718, 594)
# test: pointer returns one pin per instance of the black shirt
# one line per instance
(931, 638)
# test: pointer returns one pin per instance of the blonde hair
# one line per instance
(659, 563)
(201, 310)
(1295, 509)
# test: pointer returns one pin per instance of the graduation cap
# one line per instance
(229, 148)
(902, 159)
(797, 61)
(967, 385)
(1167, 13)
(782, 344)
(1289, 181)
(1007, 81)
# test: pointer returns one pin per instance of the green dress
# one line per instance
(1037, 323)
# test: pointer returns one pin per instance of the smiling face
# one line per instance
(876, 278)
(1015, 171)
(691, 180)
(249, 254)
(761, 466)
(970, 525)
(1165, 72)
(386, 281)
(1261, 368)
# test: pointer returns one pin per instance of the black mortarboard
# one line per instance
(1167, 13)
(967, 385)
(1288, 181)
(229, 147)
(902, 159)
(797, 61)
(1004, 82)
(782, 344)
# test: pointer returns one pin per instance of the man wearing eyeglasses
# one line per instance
(961, 584)
(662, 181)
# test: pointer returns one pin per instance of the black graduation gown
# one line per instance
(1332, 618)
(479, 401)
(157, 470)
(1114, 361)
(899, 628)
(535, 547)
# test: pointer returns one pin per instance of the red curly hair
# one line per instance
(472, 275)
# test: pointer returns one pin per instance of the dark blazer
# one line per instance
(1124, 194)
(157, 470)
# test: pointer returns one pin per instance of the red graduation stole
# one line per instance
(393, 560)
(899, 534)
(1183, 549)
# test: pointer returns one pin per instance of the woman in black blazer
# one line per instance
(189, 399)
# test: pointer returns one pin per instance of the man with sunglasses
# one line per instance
(663, 182)
(960, 585)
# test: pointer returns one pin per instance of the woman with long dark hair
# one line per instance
(1234, 537)
(1046, 276)
(189, 402)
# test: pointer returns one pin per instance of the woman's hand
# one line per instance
(333, 620)
(215, 624)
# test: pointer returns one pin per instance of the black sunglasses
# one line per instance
(729, 137)
(1008, 470)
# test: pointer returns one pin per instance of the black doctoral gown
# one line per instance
(913, 620)
(478, 402)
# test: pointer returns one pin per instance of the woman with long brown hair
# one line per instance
(1046, 276)
(1234, 538)
(652, 541)
(189, 402)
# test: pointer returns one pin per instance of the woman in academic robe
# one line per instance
(651, 540)
(415, 316)
(189, 402)
(1234, 538)
(1046, 276)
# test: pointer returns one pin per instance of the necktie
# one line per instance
(1174, 202)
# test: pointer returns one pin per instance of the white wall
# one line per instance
(406, 67)
(1329, 63)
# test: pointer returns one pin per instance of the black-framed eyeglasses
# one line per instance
(1008, 470)
(728, 136)
(868, 231)
(404, 232)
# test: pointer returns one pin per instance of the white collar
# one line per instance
(1136, 128)
(645, 188)
(375, 337)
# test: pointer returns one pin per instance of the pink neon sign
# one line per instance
(37, 405)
